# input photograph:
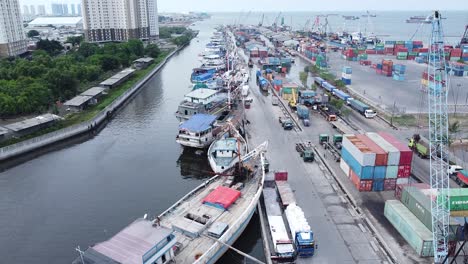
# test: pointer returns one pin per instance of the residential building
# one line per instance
(153, 18)
(32, 10)
(119, 20)
(12, 38)
(65, 9)
(78, 9)
(73, 11)
(26, 10)
(41, 10)
(59, 9)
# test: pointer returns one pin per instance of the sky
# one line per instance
(289, 5)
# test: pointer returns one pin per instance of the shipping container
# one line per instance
(402, 180)
(364, 172)
(360, 151)
(281, 176)
(458, 199)
(347, 70)
(389, 184)
(418, 203)
(344, 167)
(341, 95)
(400, 186)
(361, 185)
(393, 153)
(379, 172)
(378, 185)
(409, 227)
(392, 172)
(406, 155)
(381, 155)
(404, 171)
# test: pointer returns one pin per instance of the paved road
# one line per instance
(338, 234)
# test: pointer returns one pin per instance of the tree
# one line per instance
(306, 69)
(152, 50)
(135, 46)
(181, 40)
(338, 104)
(74, 40)
(339, 83)
(33, 33)
(88, 49)
(52, 47)
(303, 77)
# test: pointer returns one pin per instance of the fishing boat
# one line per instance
(227, 151)
(200, 75)
(198, 228)
(213, 62)
(201, 101)
(197, 132)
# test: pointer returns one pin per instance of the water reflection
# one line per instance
(194, 164)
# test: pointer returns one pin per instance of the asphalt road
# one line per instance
(337, 230)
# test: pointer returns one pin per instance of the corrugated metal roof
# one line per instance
(201, 93)
(198, 123)
(78, 100)
(18, 126)
(93, 91)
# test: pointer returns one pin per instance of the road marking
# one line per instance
(374, 246)
(363, 229)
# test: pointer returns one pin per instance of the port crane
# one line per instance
(464, 39)
(275, 23)
(261, 21)
(437, 90)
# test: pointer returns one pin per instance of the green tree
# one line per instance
(52, 47)
(33, 33)
(181, 40)
(135, 46)
(303, 77)
(88, 49)
(152, 50)
(338, 104)
(339, 83)
(75, 40)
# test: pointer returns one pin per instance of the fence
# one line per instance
(56, 136)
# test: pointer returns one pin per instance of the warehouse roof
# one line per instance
(56, 21)
(32, 122)
(78, 100)
(93, 91)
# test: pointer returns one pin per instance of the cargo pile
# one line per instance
(375, 161)
(458, 69)
(385, 68)
(411, 215)
(399, 72)
(354, 54)
(346, 75)
(314, 54)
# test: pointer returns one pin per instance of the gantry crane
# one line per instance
(438, 138)
(261, 21)
(464, 39)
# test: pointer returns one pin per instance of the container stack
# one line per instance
(380, 48)
(387, 68)
(346, 75)
(399, 72)
(350, 54)
(464, 49)
(458, 69)
(375, 161)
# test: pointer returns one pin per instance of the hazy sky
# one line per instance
(308, 5)
(290, 5)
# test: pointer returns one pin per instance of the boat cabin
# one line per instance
(197, 132)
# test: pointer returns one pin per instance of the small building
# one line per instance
(117, 79)
(86, 98)
(31, 125)
(202, 95)
(141, 242)
(142, 63)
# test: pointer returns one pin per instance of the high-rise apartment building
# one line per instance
(118, 20)
(72, 10)
(25, 10)
(153, 18)
(32, 10)
(12, 39)
(78, 7)
(41, 10)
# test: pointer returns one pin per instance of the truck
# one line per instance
(301, 232)
(460, 177)
(342, 95)
(307, 97)
(274, 100)
(419, 145)
(302, 112)
(306, 151)
(286, 123)
(338, 140)
(362, 108)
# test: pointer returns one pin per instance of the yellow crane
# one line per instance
(293, 100)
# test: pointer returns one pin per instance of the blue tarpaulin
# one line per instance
(198, 123)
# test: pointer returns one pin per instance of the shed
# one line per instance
(142, 63)
(31, 125)
(117, 79)
(78, 103)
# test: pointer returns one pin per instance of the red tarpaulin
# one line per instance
(222, 197)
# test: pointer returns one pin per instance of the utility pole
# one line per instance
(393, 113)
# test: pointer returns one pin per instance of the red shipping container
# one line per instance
(417, 42)
(399, 188)
(281, 176)
(379, 52)
(423, 50)
(380, 155)
(456, 53)
(370, 52)
(464, 55)
(389, 184)
(361, 185)
(404, 171)
(406, 154)
(415, 50)
(410, 57)
(378, 71)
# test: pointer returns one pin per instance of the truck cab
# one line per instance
(287, 123)
(338, 140)
(308, 155)
(369, 113)
(305, 244)
(453, 169)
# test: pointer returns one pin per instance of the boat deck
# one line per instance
(191, 234)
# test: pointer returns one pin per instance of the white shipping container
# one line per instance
(344, 167)
(402, 180)
(365, 157)
(393, 153)
(392, 172)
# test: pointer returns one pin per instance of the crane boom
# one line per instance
(438, 139)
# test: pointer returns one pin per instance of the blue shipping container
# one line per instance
(319, 80)
(347, 70)
(378, 185)
(346, 81)
(363, 172)
(379, 172)
(328, 86)
(342, 95)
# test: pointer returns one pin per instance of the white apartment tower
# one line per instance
(117, 20)
(153, 18)
(12, 39)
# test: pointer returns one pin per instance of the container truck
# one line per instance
(362, 108)
(418, 144)
(302, 112)
(342, 95)
(301, 232)
(327, 86)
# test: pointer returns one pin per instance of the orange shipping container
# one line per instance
(361, 185)
(381, 155)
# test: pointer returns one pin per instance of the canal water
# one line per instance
(87, 192)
